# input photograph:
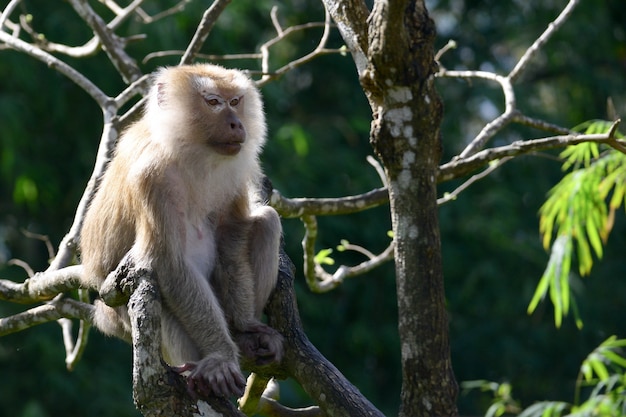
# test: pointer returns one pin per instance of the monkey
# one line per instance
(180, 197)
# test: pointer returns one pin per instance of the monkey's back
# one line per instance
(108, 231)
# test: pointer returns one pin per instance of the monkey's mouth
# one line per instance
(227, 148)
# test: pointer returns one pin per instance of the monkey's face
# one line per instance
(225, 132)
(207, 107)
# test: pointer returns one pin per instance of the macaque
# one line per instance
(179, 197)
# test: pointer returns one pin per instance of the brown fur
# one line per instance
(179, 194)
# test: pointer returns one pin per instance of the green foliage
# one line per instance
(545, 409)
(604, 369)
(502, 401)
(323, 257)
(599, 363)
(577, 217)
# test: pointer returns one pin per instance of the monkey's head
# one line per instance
(206, 105)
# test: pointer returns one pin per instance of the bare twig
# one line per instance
(320, 49)
(79, 79)
(541, 40)
(498, 123)
(4, 16)
(22, 264)
(474, 178)
(113, 45)
(204, 28)
(139, 87)
(379, 169)
(540, 124)
(447, 47)
(208, 57)
(275, 22)
(67, 248)
(44, 238)
(268, 75)
(89, 48)
(308, 246)
(179, 7)
(345, 245)
(74, 350)
(64, 308)
(511, 113)
(321, 281)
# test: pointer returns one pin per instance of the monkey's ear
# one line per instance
(161, 94)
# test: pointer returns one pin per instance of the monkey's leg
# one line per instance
(264, 243)
(245, 275)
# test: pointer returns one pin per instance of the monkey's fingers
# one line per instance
(226, 384)
(224, 380)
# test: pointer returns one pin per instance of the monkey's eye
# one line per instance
(234, 101)
(213, 99)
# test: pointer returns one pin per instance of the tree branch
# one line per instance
(41, 287)
(492, 167)
(351, 19)
(298, 207)
(334, 394)
(506, 83)
(54, 310)
(67, 248)
(79, 79)
(541, 41)
(113, 45)
(463, 166)
(498, 123)
(281, 34)
(92, 46)
(204, 28)
(74, 350)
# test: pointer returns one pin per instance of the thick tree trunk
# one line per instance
(405, 134)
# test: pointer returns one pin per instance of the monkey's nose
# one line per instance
(236, 125)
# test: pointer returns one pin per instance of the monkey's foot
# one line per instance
(260, 344)
(213, 375)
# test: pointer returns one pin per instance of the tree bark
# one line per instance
(399, 83)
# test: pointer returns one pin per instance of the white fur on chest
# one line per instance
(200, 248)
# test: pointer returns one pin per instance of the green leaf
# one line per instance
(25, 191)
(545, 409)
(593, 234)
(343, 243)
(323, 257)
(615, 358)
(596, 362)
(579, 155)
(555, 280)
(542, 288)
(599, 367)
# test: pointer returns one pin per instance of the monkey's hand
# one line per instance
(259, 343)
(213, 375)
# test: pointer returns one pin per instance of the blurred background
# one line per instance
(318, 141)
